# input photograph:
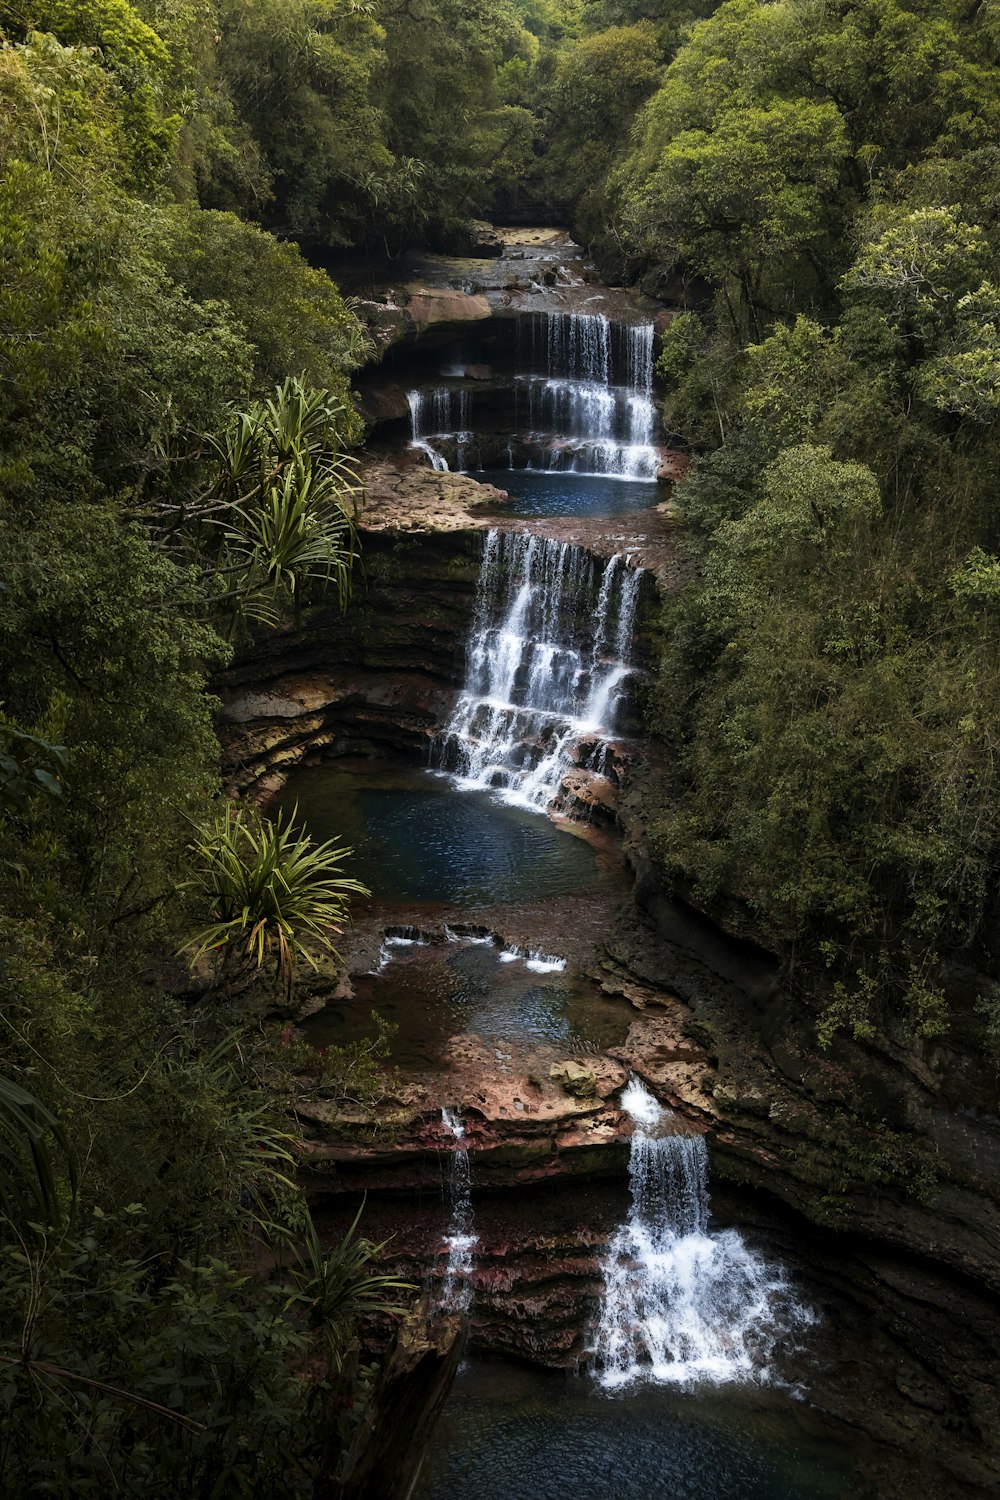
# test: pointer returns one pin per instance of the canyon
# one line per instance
(518, 537)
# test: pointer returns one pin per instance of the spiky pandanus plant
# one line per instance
(285, 501)
(272, 892)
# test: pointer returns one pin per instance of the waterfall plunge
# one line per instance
(456, 1289)
(437, 416)
(546, 669)
(681, 1305)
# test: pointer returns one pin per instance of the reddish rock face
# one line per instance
(521, 1125)
(537, 1275)
(445, 310)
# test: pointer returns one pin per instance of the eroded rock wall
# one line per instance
(376, 681)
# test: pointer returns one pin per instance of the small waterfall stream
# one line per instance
(456, 1288)
(440, 415)
(547, 667)
(683, 1305)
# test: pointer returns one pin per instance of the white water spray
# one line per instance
(586, 405)
(439, 417)
(584, 402)
(680, 1305)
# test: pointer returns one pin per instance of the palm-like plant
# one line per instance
(296, 533)
(338, 1288)
(272, 892)
(279, 512)
(285, 499)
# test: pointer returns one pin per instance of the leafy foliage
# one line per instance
(271, 892)
(174, 420)
(163, 1384)
(828, 686)
(29, 1186)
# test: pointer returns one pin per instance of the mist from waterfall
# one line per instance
(682, 1305)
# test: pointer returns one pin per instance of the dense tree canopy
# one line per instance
(822, 180)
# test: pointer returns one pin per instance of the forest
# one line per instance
(815, 190)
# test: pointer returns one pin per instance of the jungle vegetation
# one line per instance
(816, 186)
(819, 184)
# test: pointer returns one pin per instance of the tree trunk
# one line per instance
(384, 1461)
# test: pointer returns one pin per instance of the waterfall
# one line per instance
(588, 396)
(441, 415)
(456, 1288)
(547, 664)
(584, 399)
(680, 1304)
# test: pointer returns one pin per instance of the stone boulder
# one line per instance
(382, 401)
(476, 239)
(443, 308)
(577, 1079)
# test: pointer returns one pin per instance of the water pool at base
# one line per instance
(429, 853)
(523, 1434)
(540, 494)
(416, 839)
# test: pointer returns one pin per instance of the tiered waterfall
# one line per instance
(586, 401)
(583, 402)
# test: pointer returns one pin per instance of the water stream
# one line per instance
(550, 671)
(587, 399)
(456, 1289)
(583, 403)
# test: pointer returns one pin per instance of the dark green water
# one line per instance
(538, 494)
(524, 1434)
(416, 839)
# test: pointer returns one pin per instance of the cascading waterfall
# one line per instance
(438, 416)
(681, 1305)
(547, 665)
(456, 1289)
(584, 402)
(588, 403)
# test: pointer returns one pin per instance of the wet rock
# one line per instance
(381, 402)
(377, 681)
(445, 309)
(403, 495)
(477, 239)
(673, 466)
(387, 323)
(575, 1078)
